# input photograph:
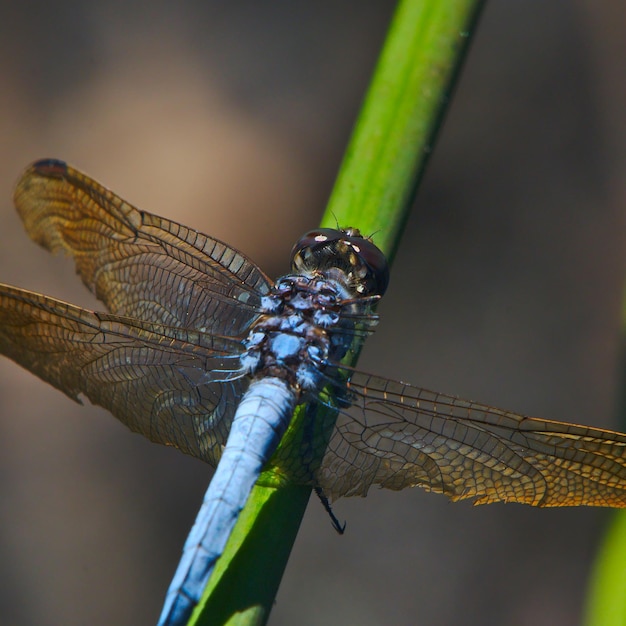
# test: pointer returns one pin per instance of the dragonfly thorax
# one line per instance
(307, 323)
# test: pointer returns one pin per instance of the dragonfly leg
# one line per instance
(337, 525)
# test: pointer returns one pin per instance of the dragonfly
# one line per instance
(202, 351)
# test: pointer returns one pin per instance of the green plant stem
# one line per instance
(384, 162)
(606, 599)
(403, 109)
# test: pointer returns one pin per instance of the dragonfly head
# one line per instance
(326, 249)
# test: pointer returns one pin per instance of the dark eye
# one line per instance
(346, 250)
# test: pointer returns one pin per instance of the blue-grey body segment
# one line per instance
(285, 354)
(261, 419)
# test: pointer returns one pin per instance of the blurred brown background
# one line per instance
(232, 118)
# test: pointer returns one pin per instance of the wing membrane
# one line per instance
(158, 380)
(396, 436)
(138, 264)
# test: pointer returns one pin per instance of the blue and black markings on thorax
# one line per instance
(313, 317)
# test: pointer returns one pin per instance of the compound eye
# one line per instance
(374, 261)
(316, 241)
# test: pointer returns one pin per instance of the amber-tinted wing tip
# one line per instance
(50, 167)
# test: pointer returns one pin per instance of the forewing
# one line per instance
(168, 384)
(396, 436)
(138, 264)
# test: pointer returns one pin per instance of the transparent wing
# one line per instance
(166, 383)
(396, 436)
(138, 264)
